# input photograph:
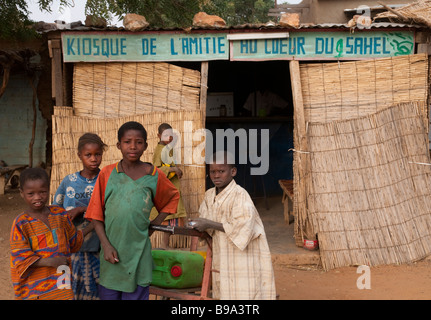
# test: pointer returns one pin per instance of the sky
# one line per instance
(77, 12)
(69, 14)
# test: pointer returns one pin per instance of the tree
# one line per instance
(159, 13)
(14, 20)
(180, 13)
(236, 12)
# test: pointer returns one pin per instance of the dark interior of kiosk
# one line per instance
(242, 79)
(245, 78)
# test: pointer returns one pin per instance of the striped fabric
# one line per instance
(31, 240)
(242, 266)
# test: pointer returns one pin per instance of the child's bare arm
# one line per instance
(88, 229)
(202, 224)
(157, 221)
(177, 171)
(75, 212)
(160, 218)
(50, 262)
(110, 254)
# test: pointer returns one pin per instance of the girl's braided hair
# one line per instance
(91, 138)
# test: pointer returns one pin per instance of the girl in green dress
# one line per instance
(120, 209)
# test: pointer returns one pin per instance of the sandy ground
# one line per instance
(293, 281)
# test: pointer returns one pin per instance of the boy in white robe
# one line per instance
(241, 258)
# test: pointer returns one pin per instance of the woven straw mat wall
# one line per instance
(349, 90)
(106, 90)
(370, 194)
(340, 91)
(418, 11)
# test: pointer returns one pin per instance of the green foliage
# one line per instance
(159, 13)
(237, 12)
(14, 21)
(45, 5)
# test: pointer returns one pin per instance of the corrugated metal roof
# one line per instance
(375, 25)
(321, 26)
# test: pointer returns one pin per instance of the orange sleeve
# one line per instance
(167, 196)
(96, 207)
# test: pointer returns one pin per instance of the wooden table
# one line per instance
(6, 173)
(287, 200)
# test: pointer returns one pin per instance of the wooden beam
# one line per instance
(298, 104)
(57, 66)
(6, 76)
(422, 37)
(395, 12)
(204, 90)
(33, 130)
(424, 48)
(301, 159)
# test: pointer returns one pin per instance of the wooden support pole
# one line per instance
(395, 12)
(57, 66)
(203, 108)
(302, 227)
(204, 89)
(2, 183)
(6, 75)
(298, 104)
(33, 130)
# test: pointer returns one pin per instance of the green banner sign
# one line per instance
(104, 47)
(326, 45)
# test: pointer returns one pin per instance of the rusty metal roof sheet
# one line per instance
(375, 25)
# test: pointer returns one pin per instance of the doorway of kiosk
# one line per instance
(254, 97)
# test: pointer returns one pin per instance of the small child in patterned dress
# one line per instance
(74, 194)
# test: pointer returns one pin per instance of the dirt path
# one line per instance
(406, 282)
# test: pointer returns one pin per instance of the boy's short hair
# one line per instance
(33, 174)
(132, 125)
(223, 157)
(163, 127)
